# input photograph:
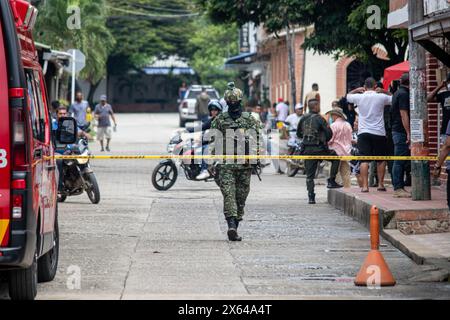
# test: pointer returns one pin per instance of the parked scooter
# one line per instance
(78, 177)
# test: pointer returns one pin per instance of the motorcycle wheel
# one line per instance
(292, 170)
(93, 192)
(164, 176)
(62, 197)
(319, 170)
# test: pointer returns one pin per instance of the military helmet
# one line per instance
(214, 104)
(233, 94)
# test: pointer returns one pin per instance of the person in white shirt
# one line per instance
(256, 113)
(372, 140)
(292, 121)
(282, 110)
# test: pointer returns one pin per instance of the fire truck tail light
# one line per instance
(19, 184)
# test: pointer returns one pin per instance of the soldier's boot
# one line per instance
(312, 198)
(332, 184)
(232, 229)
(311, 194)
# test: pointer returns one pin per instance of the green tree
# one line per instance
(93, 37)
(148, 29)
(209, 46)
(340, 25)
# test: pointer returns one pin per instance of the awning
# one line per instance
(437, 26)
(243, 58)
(166, 71)
(394, 73)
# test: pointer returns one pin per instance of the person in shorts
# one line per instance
(371, 102)
(103, 112)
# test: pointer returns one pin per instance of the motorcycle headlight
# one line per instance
(83, 160)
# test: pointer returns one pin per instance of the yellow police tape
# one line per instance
(247, 157)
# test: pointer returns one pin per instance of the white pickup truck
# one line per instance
(187, 105)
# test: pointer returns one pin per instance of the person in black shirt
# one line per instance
(401, 135)
(444, 100)
(349, 110)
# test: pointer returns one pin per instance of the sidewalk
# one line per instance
(420, 229)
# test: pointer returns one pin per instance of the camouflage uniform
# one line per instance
(315, 134)
(235, 175)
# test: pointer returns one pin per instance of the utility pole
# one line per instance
(420, 170)
(291, 65)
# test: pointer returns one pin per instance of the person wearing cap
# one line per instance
(341, 142)
(103, 112)
(282, 110)
(292, 121)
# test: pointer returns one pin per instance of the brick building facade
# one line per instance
(309, 68)
(436, 12)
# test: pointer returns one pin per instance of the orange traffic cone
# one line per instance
(374, 271)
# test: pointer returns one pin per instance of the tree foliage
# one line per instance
(209, 45)
(340, 25)
(130, 34)
(145, 29)
(93, 38)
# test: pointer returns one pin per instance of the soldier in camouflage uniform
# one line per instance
(315, 133)
(235, 175)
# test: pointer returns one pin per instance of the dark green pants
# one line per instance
(311, 166)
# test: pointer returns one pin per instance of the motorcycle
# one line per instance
(295, 149)
(165, 173)
(293, 165)
(78, 177)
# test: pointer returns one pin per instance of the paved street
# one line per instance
(139, 243)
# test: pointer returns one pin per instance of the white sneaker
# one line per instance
(402, 193)
(203, 175)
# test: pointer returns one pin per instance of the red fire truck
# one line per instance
(29, 238)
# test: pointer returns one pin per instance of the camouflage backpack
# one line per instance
(311, 134)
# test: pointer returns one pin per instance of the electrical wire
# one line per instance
(149, 15)
(181, 11)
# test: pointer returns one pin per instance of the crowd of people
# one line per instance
(368, 121)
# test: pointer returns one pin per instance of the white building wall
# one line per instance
(435, 6)
(321, 69)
